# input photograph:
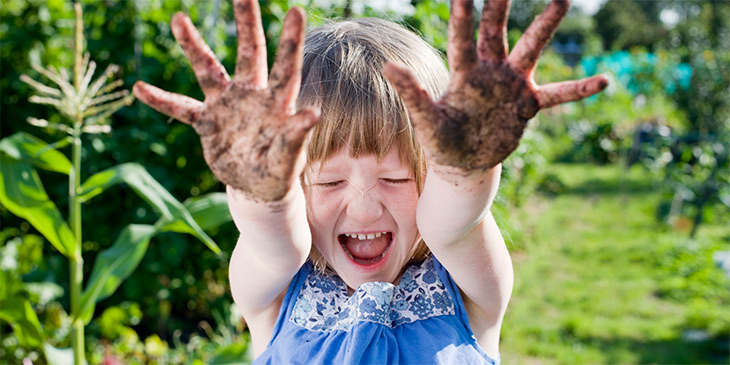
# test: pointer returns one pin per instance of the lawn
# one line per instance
(598, 279)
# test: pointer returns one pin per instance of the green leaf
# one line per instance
(22, 193)
(30, 149)
(134, 175)
(56, 356)
(19, 313)
(114, 265)
(232, 354)
(210, 210)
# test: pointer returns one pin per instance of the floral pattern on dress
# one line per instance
(323, 304)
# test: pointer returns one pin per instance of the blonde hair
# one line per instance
(343, 73)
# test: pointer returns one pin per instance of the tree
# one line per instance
(628, 23)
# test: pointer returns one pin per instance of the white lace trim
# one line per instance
(323, 304)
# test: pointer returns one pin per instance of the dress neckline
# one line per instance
(323, 303)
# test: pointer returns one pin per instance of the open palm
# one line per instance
(479, 121)
(251, 136)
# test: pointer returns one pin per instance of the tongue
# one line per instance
(367, 249)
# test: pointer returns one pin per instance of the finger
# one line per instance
(492, 40)
(460, 49)
(563, 92)
(299, 124)
(293, 138)
(415, 97)
(211, 75)
(527, 50)
(251, 67)
(286, 74)
(180, 107)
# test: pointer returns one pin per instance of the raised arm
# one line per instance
(252, 140)
(467, 133)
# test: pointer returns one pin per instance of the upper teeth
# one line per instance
(368, 236)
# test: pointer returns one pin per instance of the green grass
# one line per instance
(599, 280)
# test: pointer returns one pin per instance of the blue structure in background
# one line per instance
(628, 68)
(570, 49)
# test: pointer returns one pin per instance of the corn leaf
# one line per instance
(114, 265)
(30, 149)
(210, 210)
(136, 177)
(22, 193)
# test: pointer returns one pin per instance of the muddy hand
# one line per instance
(251, 136)
(479, 121)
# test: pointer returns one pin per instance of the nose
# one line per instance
(363, 205)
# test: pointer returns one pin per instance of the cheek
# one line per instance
(321, 210)
(402, 204)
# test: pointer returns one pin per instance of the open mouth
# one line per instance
(366, 248)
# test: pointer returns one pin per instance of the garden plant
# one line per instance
(86, 104)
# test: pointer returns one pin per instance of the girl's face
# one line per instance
(363, 215)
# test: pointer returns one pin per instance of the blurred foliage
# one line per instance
(701, 177)
(625, 24)
(40, 33)
(86, 105)
(22, 254)
(157, 315)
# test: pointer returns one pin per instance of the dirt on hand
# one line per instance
(252, 137)
(480, 120)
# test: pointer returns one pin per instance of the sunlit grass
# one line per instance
(592, 280)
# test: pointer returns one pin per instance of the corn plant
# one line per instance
(86, 104)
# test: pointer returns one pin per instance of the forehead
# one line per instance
(342, 162)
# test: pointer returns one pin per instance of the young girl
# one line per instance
(370, 239)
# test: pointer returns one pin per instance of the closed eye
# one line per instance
(397, 181)
(330, 184)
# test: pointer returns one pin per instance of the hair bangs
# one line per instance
(361, 110)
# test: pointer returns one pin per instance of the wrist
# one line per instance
(246, 199)
(481, 179)
(454, 202)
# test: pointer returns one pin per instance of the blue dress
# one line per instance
(422, 320)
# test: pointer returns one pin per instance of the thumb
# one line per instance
(293, 136)
(417, 100)
(421, 107)
(299, 124)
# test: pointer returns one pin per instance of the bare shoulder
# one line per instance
(261, 325)
(481, 267)
(486, 326)
(273, 246)
(455, 221)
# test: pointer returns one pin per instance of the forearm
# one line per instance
(453, 203)
(455, 221)
(275, 241)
